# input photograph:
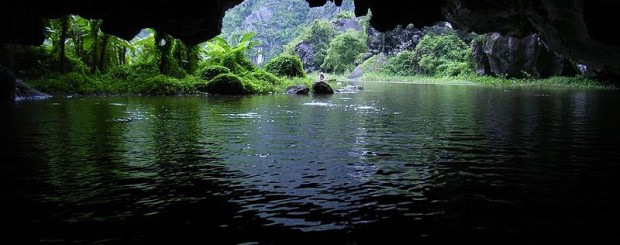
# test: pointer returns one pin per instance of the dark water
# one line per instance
(396, 163)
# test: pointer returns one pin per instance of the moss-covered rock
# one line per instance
(286, 65)
(211, 72)
(228, 83)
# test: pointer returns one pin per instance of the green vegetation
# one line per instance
(552, 82)
(402, 64)
(345, 15)
(317, 36)
(227, 83)
(77, 58)
(472, 79)
(441, 55)
(211, 72)
(286, 65)
(342, 52)
(276, 22)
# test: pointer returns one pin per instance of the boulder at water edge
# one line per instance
(297, 89)
(322, 88)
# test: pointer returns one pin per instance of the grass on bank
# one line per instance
(146, 81)
(552, 82)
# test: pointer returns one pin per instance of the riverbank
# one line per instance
(136, 83)
(553, 82)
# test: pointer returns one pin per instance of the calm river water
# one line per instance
(395, 163)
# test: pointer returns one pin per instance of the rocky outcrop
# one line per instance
(322, 88)
(578, 30)
(343, 25)
(256, 18)
(297, 89)
(394, 41)
(312, 53)
(307, 54)
(25, 92)
(518, 57)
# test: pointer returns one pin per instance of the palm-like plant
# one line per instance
(218, 47)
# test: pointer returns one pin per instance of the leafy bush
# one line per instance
(342, 52)
(345, 15)
(402, 64)
(228, 83)
(137, 71)
(261, 82)
(244, 61)
(286, 65)
(237, 63)
(266, 77)
(445, 55)
(211, 72)
(166, 85)
(318, 36)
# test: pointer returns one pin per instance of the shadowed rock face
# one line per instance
(394, 41)
(517, 57)
(577, 29)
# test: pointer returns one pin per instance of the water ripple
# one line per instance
(423, 162)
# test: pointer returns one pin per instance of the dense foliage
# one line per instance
(402, 64)
(445, 55)
(286, 65)
(317, 36)
(342, 52)
(210, 72)
(89, 61)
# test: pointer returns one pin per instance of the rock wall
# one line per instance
(394, 41)
(307, 54)
(500, 55)
(579, 30)
(311, 54)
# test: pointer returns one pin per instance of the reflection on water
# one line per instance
(396, 162)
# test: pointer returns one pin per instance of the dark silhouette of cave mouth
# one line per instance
(576, 29)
